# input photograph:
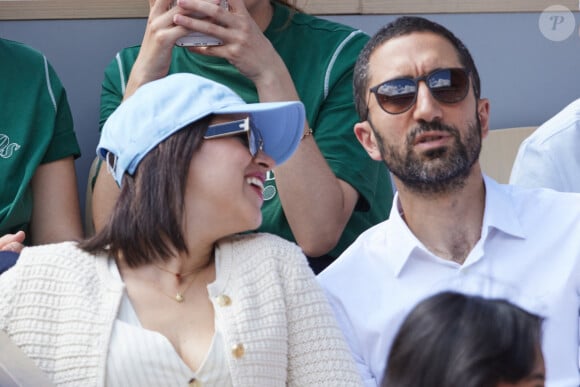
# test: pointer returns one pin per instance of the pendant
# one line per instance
(179, 297)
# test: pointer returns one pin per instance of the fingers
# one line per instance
(213, 19)
(14, 247)
(237, 7)
(12, 242)
(158, 7)
(207, 11)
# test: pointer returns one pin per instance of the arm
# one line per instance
(151, 63)
(317, 221)
(56, 211)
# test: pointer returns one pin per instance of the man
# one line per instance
(550, 157)
(417, 92)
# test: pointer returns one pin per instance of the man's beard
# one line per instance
(438, 171)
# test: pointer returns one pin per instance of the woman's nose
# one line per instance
(264, 160)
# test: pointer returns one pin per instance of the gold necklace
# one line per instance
(177, 275)
(179, 295)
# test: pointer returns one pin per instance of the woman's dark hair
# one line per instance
(146, 224)
(455, 340)
(400, 27)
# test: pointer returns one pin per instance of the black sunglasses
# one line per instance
(399, 95)
(249, 133)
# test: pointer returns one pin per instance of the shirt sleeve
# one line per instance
(64, 141)
(115, 81)
(535, 167)
(111, 93)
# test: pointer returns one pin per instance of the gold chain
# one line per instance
(177, 275)
(179, 294)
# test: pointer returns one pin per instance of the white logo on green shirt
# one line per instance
(6, 148)
(269, 190)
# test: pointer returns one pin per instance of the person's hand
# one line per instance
(12, 242)
(155, 53)
(244, 44)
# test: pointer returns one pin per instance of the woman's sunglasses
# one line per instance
(250, 135)
(399, 95)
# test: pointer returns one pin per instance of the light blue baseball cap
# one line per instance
(160, 108)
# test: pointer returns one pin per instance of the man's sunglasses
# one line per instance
(399, 95)
(250, 135)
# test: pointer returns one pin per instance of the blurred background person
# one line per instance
(457, 340)
(38, 197)
(550, 156)
(329, 191)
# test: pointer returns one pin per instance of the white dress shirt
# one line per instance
(529, 253)
(550, 157)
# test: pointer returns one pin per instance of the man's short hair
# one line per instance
(400, 27)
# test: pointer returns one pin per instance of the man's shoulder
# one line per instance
(544, 205)
(560, 129)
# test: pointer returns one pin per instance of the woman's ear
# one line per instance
(365, 135)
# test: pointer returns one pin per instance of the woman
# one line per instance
(330, 191)
(452, 339)
(170, 294)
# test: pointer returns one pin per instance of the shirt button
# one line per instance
(194, 383)
(224, 300)
(238, 350)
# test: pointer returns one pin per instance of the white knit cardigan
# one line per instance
(58, 304)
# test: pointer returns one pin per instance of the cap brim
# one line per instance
(280, 123)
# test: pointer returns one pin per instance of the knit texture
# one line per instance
(59, 303)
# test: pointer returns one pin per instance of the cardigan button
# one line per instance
(194, 383)
(224, 300)
(238, 350)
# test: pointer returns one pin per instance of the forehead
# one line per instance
(411, 55)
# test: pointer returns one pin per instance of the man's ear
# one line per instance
(483, 114)
(365, 135)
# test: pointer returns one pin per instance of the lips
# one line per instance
(431, 137)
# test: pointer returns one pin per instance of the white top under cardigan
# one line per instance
(141, 357)
(59, 304)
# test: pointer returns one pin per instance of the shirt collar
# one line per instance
(500, 211)
(499, 214)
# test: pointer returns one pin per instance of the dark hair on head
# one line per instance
(400, 27)
(146, 224)
(455, 340)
